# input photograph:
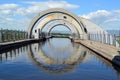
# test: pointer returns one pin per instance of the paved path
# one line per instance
(11, 42)
(17, 41)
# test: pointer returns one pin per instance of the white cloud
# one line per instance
(98, 13)
(8, 6)
(112, 20)
(106, 19)
(5, 11)
(53, 4)
(18, 16)
(36, 7)
(8, 9)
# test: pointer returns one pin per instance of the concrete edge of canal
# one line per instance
(9, 45)
(108, 53)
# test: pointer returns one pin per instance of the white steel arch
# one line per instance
(55, 14)
(70, 26)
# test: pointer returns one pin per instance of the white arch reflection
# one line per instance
(60, 63)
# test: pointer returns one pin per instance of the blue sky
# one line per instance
(17, 14)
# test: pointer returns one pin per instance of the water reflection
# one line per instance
(57, 59)
(56, 56)
(107, 63)
(11, 54)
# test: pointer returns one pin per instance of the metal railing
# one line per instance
(11, 35)
(104, 37)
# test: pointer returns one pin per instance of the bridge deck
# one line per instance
(107, 51)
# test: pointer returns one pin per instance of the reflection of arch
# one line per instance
(47, 68)
(64, 66)
(57, 49)
(64, 23)
(57, 13)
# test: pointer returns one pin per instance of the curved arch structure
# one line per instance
(70, 26)
(57, 14)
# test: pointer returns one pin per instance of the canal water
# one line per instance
(55, 59)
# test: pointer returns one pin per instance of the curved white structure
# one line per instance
(90, 26)
(47, 16)
(70, 26)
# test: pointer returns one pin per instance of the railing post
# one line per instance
(15, 35)
(104, 37)
(11, 35)
(3, 35)
(24, 35)
(21, 35)
(97, 37)
(114, 40)
(91, 36)
(6, 33)
(100, 37)
(109, 39)
(18, 34)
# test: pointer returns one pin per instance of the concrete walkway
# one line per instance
(11, 42)
(107, 51)
(9, 45)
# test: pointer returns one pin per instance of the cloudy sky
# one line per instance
(17, 14)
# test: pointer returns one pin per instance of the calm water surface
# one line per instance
(55, 59)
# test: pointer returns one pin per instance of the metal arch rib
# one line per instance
(64, 23)
(54, 10)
